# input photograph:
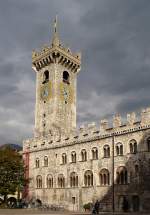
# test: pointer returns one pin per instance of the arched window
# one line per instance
(119, 149)
(83, 155)
(133, 146)
(64, 158)
(45, 161)
(39, 181)
(106, 151)
(104, 177)
(73, 157)
(73, 179)
(45, 76)
(148, 144)
(37, 163)
(61, 181)
(49, 181)
(94, 153)
(88, 178)
(122, 175)
(66, 77)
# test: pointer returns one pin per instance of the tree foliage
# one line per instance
(11, 171)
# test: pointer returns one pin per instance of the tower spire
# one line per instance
(55, 24)
(55, 39)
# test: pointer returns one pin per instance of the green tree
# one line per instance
(11, 172)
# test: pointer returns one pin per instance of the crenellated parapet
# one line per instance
(145, 116)
(117, 121)
(103, 126)
(90, 132)
(128, 123)
(131, 119)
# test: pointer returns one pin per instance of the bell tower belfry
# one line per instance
(56, 70)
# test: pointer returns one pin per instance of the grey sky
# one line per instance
(114, 38)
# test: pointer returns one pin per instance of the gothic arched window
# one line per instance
(104, 177)
(45, 76)
(73, 179)
(37, 163)
(66, 77)
(133, 146)
(61, 181)
(45, 161)
(94, 153)
(83, 155)
(49, 181)
(119, 149)
(73, 157)
(106, 151)
(39, 181)
(122, 175)
(64, 158)
(88, 178)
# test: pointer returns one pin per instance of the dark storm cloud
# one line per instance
(117, 53)
(114, 38)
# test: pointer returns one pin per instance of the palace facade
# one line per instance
(72, 167)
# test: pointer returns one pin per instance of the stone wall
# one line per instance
(86, 138)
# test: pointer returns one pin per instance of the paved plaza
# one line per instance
(41, 212)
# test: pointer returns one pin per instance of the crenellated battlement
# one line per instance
(91, 131)
(119, 124)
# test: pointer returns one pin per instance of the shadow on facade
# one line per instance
(131, 182)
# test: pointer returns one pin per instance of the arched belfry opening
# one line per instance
(46, 77)
(66, 77)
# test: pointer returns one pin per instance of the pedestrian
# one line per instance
(96, 207)
(93, 210)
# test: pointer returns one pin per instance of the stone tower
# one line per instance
(56, 70)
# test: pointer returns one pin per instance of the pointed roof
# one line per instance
(55, 38)
(56, 52)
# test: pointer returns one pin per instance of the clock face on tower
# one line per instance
(46, 91)
(66, 93)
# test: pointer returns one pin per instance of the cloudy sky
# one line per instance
(114, 38)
